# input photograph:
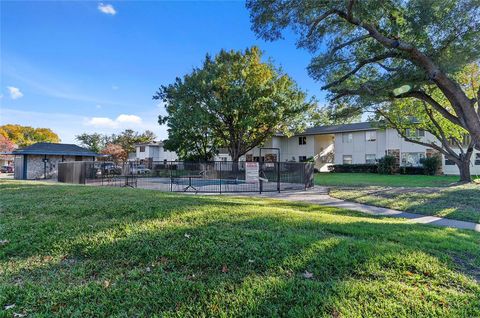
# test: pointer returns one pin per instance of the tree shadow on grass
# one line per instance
(248, 263)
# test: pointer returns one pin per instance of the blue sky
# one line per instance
(93, 66)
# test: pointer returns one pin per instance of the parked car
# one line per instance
(111, 168)
(6, 169)
(140, 169)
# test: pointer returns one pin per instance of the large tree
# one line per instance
(93, 141)
(128, 138)
(453, 141)
(25, 135)
(371, 51)
(236, 101)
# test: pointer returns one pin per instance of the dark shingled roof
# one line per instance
(332, 129)
(46, 148)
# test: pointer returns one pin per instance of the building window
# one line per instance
(477, 159)
(302, 140)
(416, 134)
(370, 158)
(412, 159)
(142, 148)
(78, 158)
(464, 142)
(347, 138)
(302, 158)
(449, 162)
(347, 159)
(371, 135)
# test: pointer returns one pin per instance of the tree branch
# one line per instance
(387, 68)
(444, 139)
(317, 21)
(449, 88)
(359, 66)
(401, 132)
(351, 3)
(427, 98)
(341, 46)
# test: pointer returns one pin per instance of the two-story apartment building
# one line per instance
(355, 143)
(352, 144)
(153, 151)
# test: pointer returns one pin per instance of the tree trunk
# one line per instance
(235, 157)
(464, 168)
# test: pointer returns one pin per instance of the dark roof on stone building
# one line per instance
(46, 148)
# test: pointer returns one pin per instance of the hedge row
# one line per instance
(387, 165)
(364, 167)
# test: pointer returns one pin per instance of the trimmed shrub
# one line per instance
(386, 165)
(431, 165)
(412, 170)
(359, 168)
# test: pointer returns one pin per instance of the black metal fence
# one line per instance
(213, 177)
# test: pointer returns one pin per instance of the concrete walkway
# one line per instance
(319, 195)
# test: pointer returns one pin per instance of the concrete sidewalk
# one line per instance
(319, 195)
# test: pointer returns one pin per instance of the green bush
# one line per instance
(431, 165)
(386, 165)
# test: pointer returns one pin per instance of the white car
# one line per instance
(140, 169)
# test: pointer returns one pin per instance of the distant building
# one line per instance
(153, 151)
(40, 160)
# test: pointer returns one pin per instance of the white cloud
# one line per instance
(107, 8)
(121, 120)
(133, 119)
(102, 122)
(14, 92)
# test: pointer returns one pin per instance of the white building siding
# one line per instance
(359, 147)
(155, 152)
(474, 165)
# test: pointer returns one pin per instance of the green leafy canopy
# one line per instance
(235, 101)
(365, 50)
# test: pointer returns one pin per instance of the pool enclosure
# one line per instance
(180, 176)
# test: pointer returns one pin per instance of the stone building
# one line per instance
(40, 160)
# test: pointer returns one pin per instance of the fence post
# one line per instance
(220, 175)
(171, 178)
(304, 175)
(278, 176)
(260, 169)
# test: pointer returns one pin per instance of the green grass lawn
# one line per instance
(374, 179)
(459, 202)
(89, 251)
